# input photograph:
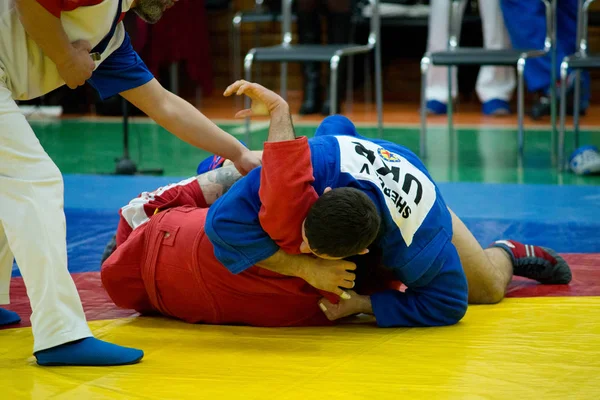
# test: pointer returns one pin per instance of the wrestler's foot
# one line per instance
(210, 163)
(8, 317)
(89, 352)
(534, 262)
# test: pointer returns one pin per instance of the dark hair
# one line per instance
(342, 223)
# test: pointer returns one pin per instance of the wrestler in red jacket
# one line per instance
(164, 263)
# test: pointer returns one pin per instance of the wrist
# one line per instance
(281, 110)
(298, 267)
(365, 305)
(285, 264)
(62, 56)
(238, 151)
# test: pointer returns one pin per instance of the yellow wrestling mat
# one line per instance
(523, 348)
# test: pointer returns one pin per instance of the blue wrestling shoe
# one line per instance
(212, 162)
(585, 160)
(88, 352)
(8, 317)
(495, 107)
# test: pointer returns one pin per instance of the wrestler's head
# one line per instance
(151, 11)
(343, 222)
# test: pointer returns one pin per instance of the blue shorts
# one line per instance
(121, 71)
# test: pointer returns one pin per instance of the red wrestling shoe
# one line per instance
(534, 262)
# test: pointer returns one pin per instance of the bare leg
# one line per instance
(488, 271)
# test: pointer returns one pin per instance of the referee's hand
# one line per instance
(78, 65)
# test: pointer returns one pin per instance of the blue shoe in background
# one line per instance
(435, 107)
(495, 107)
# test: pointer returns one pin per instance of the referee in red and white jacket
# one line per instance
(45, 44)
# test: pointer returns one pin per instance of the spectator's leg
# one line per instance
(437, 40)
(495, 85)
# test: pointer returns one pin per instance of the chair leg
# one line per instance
(248, 76)
(553, 119)
(576, 107)
(236, 37)
(563, 113)
(520, 106)
(350, 85)
(368, 83)
(450, 122)
(379, 88)
(350, 73)
(283, 80)
(553, 80)
(257, 34)
(425, 63)
(333, 77)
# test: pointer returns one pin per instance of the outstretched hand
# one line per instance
(246, 162)
(264, 101)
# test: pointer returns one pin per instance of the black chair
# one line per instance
(287, 52)
(578, 61)
(260, 14)
(455, 56)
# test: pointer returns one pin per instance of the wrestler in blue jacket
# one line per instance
(415, 235)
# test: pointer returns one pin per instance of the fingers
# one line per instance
(234, 87)
(242, 87)
(345, 284)
(341, 292)
(345, 295)
(325, 309)
(231, 89)
(349, 276)
(245, 88)
(243, 113)
(83, 45)
(349, 266)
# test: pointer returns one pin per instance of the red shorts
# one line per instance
(167, 266)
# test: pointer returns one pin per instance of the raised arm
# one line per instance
(233, 224)
(286, 193)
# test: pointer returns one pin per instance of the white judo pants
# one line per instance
(492, 82)
(33, 230)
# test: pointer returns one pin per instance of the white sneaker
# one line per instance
(585, 160)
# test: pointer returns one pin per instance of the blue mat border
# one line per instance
(566, 218)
